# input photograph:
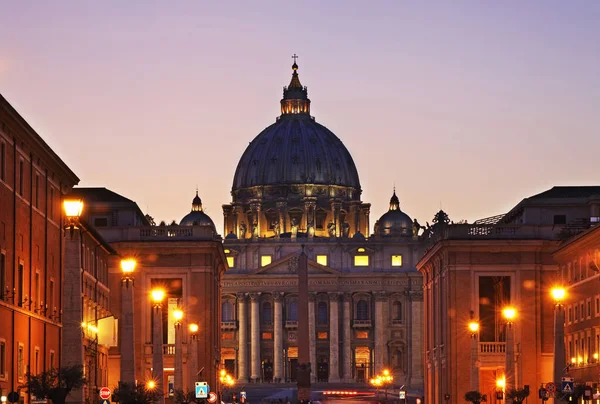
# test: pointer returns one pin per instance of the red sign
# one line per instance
(212, 397)
(551, 387)
(105, 393)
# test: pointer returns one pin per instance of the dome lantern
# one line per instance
(197, 203)
(295, 97)
(197, 217)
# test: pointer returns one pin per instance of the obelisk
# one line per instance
(303, 335)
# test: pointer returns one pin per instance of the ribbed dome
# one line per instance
(394, 222)
(197, 217)
(296, 150)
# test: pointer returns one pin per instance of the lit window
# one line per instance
(361, 249)
(361, 260)
(396, 260)
(322, 335)
(362, 334)
(322, 259)
(267, 335)
(226, 251)
(231, 262)
(265, 260)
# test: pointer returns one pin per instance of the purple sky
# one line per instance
(474, 105)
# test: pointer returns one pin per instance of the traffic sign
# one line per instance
(105, 401)
(567, 385)
(105, 393)
(13, 397)
(402, 395)
(551, 387)
(202, 390)
(243, 394)
(212, 397)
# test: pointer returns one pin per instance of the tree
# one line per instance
(128, 394)
(55, 384)
(518, 395)
(474, 397)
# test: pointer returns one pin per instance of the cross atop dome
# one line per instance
(295, 96)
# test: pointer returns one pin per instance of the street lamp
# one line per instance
(178, 315)
(558, 294)
(73, 209)
(226, 381)
(193, 355)
(385, 379)
(157, 341)
(474, 328)
(126, 323)
(509, 313)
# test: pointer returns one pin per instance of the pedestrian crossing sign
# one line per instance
(202, 390)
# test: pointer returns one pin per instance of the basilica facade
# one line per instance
(297, 188)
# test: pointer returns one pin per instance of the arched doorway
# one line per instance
(267, 370)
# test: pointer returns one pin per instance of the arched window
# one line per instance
(226, 311)
(267, 313)
(397, 311)
(322, 313)
(292, 312)
(362, 310)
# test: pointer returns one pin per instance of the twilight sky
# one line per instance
(473, 105)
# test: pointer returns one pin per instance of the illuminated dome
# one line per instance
(394, 222)
(296, 149)
(197, 217)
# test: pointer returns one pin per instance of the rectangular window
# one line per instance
(52, 305)
(597, 306)
(21, 177)
(20, 362)
(37, 288)
(20, 284)
(560, 219)
(36, 361)
(361, 260)
(576, 312)
(51, 204)
(267, 335)
(362, 334)
(582, 311)
(231, 262)
(37, 191)
(2, 274)
(2, 359)
(2, 161)
(51, 360)
(322, 260)
(396, 260)
(322, 335)
(570, 314)
(265, 260)
(589, 308)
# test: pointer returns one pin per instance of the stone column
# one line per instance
(380, 332)
(278, 335)
(254, 337)
(312, 336)
(310, 204)
(72, 342)
(334, 341)
(282, 211)
(126, 335)
(178, 382)
(242, 339)
(335, 210)
(157, 351)
(193, 361)
(347, 339)
(415, 343)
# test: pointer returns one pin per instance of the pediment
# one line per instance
(288, 265)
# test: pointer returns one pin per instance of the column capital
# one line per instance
(347, 296)
(415, 295)
(277, 296)
(333, 296)
(241, 296)
(254, 296)
(312, 296)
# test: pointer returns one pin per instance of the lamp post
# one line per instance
(509, 314)
(225, 380)
(385, 379)
(72, 319)
(558, 294)
(193, 355)
(157, 342)
(178, 315)
(474, 328)
(127, 346)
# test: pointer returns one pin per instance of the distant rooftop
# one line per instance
(99, 194)
(561, 192)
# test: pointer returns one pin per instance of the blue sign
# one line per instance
(402, 395)
(567, 385)
(243, 394)
(202, 390)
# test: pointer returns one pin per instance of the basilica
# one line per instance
(296, 187)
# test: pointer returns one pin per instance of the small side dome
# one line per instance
(231, 236)
(197, 217)
(358, 236)
(394, 222)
